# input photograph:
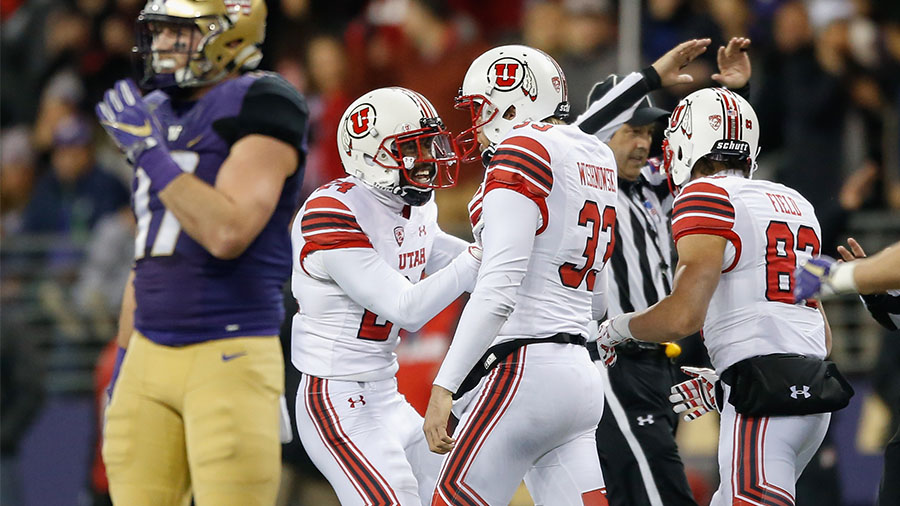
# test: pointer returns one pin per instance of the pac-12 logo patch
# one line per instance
(399, 235)
(360, 120)
(715, 121)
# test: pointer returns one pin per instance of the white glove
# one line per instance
(696, 396)
(284, 423)
(610, 333)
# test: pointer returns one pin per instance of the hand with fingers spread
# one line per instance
(882, 306)
(669, 65)
(612, 332)
(854, 253)
(734, 64)
(137, 132)
(696, 396)
(127, 119)
(437, 416)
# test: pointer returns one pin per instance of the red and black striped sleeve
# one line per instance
(475, 206)
(704, 208)
(522, 164)
(327, 223)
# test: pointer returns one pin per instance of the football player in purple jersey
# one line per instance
(218, 155)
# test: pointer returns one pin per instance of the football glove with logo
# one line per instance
(696, 396)
(128, 120)
(137, 132)
(823, 276)
(610, 333)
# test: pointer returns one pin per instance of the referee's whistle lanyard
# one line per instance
(644, 204)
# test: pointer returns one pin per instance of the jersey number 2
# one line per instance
(371, 330)
(781, 258)
(569, 274)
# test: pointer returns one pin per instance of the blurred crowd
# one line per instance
(826, 86)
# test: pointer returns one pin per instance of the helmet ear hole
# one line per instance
(680, 155)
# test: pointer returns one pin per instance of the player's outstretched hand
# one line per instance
(128, 121)
(437, 416)
(696, 396)
(669, 65)
(856, 251)
(734, 64)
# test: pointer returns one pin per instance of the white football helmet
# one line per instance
(394, 140)
(506, 76)
(712, 122)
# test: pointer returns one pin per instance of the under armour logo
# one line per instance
(361, 401)
(422, 230)
(804, 392)
(645, 420)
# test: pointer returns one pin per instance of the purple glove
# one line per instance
(128, 120)
(823, 276)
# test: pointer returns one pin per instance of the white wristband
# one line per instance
(841, 279)
(620, 325)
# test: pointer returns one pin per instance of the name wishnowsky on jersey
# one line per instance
(602, 178)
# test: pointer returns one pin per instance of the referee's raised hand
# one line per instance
(734, 64)
(669, 65)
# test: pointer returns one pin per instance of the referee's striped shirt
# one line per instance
(642, 263)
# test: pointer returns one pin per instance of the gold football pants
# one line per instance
(201, 418)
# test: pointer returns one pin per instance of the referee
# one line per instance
(636, 436)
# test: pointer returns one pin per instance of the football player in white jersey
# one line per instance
(529, 404)
(548, 212)
(739, 241)
(362, 244)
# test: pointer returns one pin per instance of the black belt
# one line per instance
(495, 354)
(630, 348)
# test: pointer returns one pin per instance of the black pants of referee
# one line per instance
(889, 493)
(641, 380)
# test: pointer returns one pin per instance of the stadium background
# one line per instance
(826, 86)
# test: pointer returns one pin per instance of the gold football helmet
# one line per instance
(189, 43)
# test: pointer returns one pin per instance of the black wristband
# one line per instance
(651, 76)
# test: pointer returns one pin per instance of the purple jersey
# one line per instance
(184, 294)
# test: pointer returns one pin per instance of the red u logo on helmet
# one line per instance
(506, 73)
(360, 121)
